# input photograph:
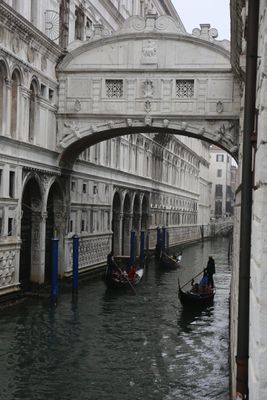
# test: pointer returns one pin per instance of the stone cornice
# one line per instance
(14, 21)
(28, 66)
(140, 36)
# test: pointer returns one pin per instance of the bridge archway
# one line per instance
(136, 81)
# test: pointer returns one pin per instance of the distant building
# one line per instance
(221, 183)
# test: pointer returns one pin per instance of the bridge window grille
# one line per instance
(184, 89)
(114, 88)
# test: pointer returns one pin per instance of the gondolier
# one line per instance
(211, 270)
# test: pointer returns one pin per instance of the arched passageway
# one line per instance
(30, 232)
(55, 227)
(126, 225)
(136, 225)
(116, 224)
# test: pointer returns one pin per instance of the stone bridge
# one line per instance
(149, 77)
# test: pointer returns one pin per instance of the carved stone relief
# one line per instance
(77, 105)
(147, 106)
(30, 54)
(16, 43)
(148, 88)
(219, 107)
(149, 52)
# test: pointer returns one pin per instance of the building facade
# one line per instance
(248, 293)
(129, 182)
(222, 191)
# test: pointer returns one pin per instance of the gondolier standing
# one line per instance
(112, 266)
(211, 270)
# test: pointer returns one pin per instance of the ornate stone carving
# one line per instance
(149, 52)
(168, 24)
(147, 106)
(148, 120)
(73, 127)
(166, 123)
(7, 267)
(148, 88)
(205, 32)
(30, 54)
(151, 22)
(15, 43)
(129, 122)
(219, 107)
(184, 126)
(77, 105)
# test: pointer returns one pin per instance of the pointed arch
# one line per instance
(116, 223)
(3, 94)
(126, 225)
(15, 101)
(33, 110)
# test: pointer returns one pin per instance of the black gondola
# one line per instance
(121, 280)
(196, 299)
(167, 262)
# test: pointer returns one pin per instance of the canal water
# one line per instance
(111, 346)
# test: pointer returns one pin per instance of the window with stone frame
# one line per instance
(114, 88)
(184, 88)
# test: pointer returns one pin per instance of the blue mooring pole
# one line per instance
(167, 241)
(142, 248)
(54, 269)
(75, 263)
(158, 235)
(163, 238)
(132, 248)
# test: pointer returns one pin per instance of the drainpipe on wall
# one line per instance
(246, 203)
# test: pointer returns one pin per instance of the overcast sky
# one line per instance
(214, 12)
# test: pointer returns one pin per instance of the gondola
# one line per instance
(167, 262)
(190, 298)
(121, 280)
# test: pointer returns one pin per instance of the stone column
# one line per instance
(127, 225)
(24, 113)
(137, 228)
(37, 243)
(117, 234)
(60, 227)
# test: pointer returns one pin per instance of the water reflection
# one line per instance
(121, 345)
(188, 318)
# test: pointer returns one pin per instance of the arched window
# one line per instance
(3, 75)
(14, 103)
(32, 111)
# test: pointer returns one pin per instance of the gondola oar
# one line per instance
(190, 280)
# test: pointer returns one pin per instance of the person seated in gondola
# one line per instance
(195, 287)
(131, 272)
(204, 283)
(179, 257)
